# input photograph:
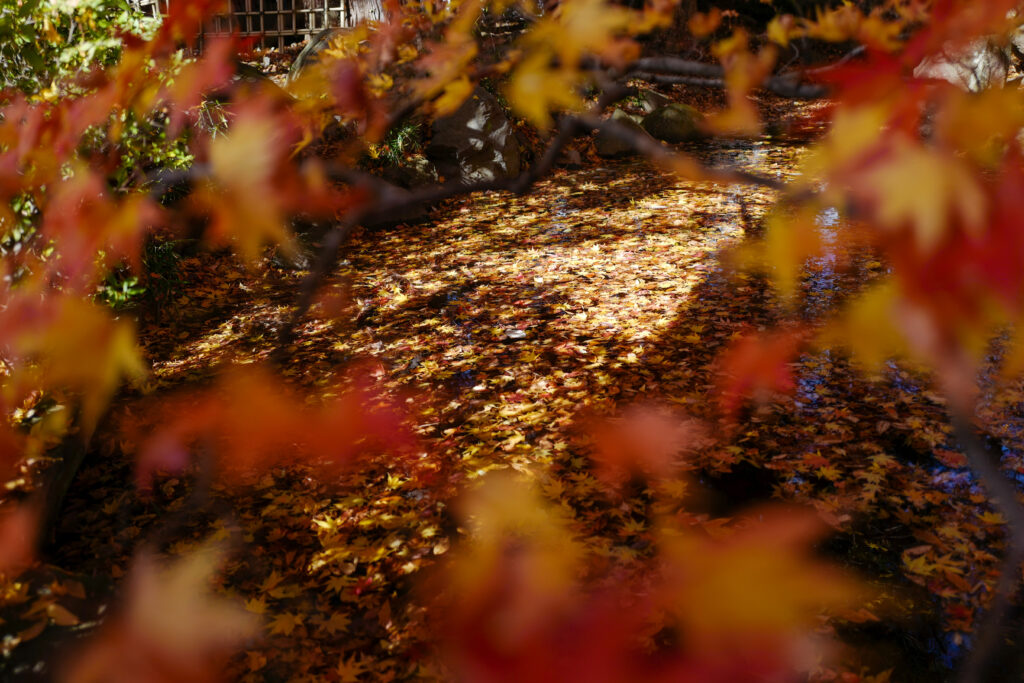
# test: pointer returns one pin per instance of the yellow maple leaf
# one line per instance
(854, 133)
(758, 580)
(536, 87)
(829, 472)
(925, 189)
(990, 517)
(789, 242)
(244, 197)
(284, 623)
(702, 24)
(336, 622)
(81, 347)
(349, 670)
(875, 310)
(516, 534)
(781, 29)
(453, 95)
(172, 617)
(1002, 110)
(919, 565)
(256, 606)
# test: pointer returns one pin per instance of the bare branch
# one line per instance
(679, 67)
(691, 72)
(1003, 494)
(670, 79)
(847, 58)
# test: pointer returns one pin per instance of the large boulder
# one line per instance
(673, 123)
(476, 142)
(650, 100)
(978, 66)
(607, 144)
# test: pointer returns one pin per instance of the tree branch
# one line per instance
(674, 161)
(692, 72)
(1004, 495)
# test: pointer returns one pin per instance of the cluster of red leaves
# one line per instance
(705, 609)
(251, 422)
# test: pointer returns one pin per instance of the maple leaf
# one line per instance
(254, 421)
(349, 669)
(781, 29)
(702, 24)
(757, 582)
(284, 624)
(170, 629)
(75, 345)
(336, 622)
(256, 606)
(18, 530)
(535, 88)
(878, 309)
(520, 567)
(454, 94)
(84, 220)
(246, 202)
(194, 80)
(646, 440)
(919, 565)
(924, 189)
(757, 366)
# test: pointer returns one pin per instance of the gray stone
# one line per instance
(571, 158)
(475, 143)
(651, 100)
(389, 196)
(607, 144)
(1017, 42)
(673, 123)
(414, 172)
(979, 66)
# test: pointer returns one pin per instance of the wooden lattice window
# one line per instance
(276, 23)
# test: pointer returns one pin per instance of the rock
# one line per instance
(301, 257)
(978, 66)
(414, 172)
(1016, 46)
(390, 196)
(673, 123)
(608, 145)
(475, 143)
(650, 100)
(571, 158)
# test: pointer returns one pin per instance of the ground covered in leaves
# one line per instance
(506, 325)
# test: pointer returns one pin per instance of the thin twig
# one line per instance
(325, 262)
(1004, 495)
